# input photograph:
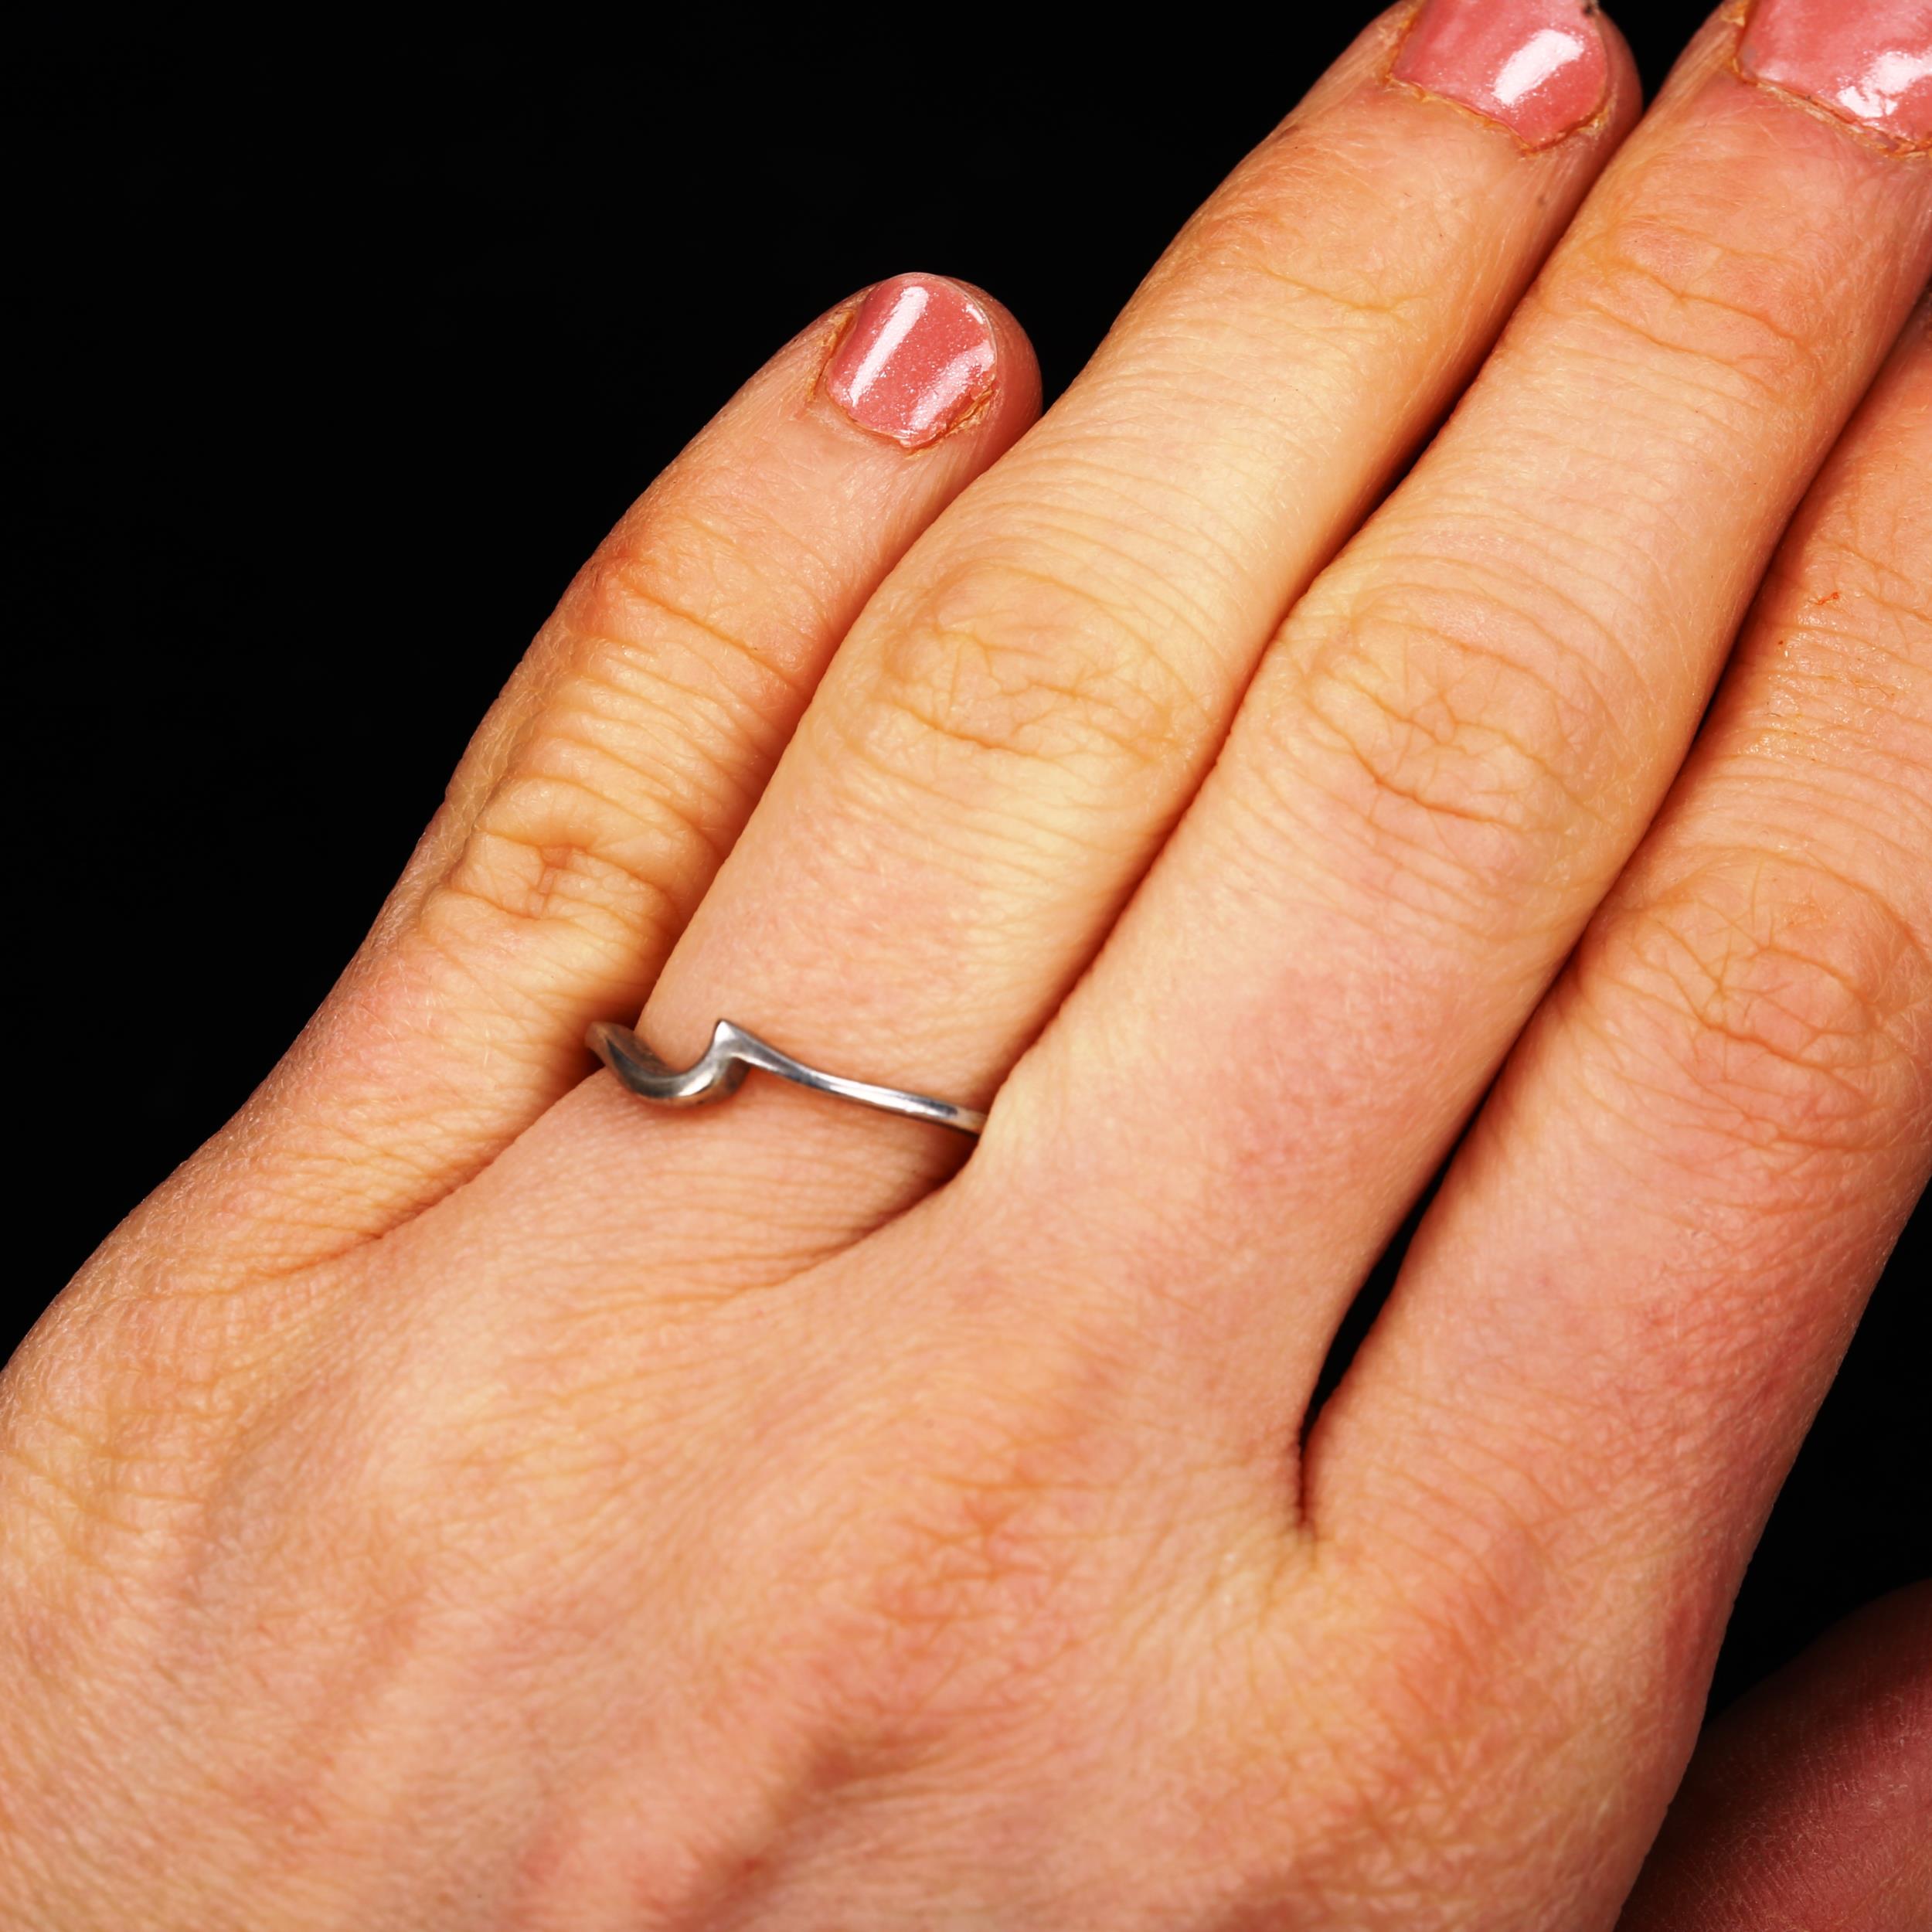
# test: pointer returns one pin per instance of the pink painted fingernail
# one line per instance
(917, 360)
(1868, 61)
(1539, 66)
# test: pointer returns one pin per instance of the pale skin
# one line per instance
(466, 1497)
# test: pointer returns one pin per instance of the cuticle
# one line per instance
(1891, 146)
(837, 327)
(1597, 120)
(1738, 13)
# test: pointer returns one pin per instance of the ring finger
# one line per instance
(1017, 721)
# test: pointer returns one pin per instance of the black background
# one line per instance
(345, 351)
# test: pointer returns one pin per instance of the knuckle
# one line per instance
(550, 880)
(611, 809)
(1304, 224)
(702, 604)
(1285, 231)
(550, 850)
(999, 660)
(1734, 323)
(1766, 1005)
(1469, 742)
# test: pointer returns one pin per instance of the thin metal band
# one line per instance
(732, 1054)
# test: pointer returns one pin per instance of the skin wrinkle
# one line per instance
(1290, 420)
(1621, 263)
(1302, 169)
(1547, 669)
(644, 598)
(810, 572)
(1148, 315)
(1136, 595)
(1415, 731)
(1725, 1101)
(1150, 403)
(550, 872)
(1824, 625)
(1806, 704)
(1653, 412)
(1739, 572)
(404, 1046)
(1783, 770)
(633, 802)
(1550, 544)
(1013, 851)
(1464, 529)
(1697, 389)
(1273, 807)
(1267, 264)
(659, 688)
(1750, 943)
(1279, 417)
(1655, 277)
(1023, 705)
(516, 1021)
(592, 787)
(1094, 488)
(1842, 616)
(637, 561)
(1409, 824)
(597, 922)
(1742, 301)
(622, 712)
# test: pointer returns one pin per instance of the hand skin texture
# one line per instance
(466, 1497)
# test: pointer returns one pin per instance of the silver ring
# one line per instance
(732, 1054)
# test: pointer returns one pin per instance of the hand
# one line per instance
(466, 1497)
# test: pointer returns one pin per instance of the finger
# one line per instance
(1012, 726)
(1464, 729)
(1614, 1325)
(598, 797)
(1806, 1802)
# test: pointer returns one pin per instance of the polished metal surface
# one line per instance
(733, 1052)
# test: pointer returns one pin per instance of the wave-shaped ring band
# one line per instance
(720, 1071)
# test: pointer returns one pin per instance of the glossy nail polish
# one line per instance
(1867, 61)
(1539, 66)
(918, 360)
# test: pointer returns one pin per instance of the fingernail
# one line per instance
(917, 360)
(1539, 66)
(1867, 61)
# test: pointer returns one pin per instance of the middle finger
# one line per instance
(1464, 727)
